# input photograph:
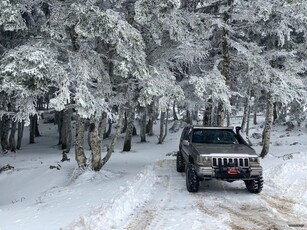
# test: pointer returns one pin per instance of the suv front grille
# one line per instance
(225, 161)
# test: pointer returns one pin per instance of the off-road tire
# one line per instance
(254, 186)
(180, 163)
(192, 179)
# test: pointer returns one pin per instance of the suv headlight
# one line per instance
(254, 160)
(204, 160)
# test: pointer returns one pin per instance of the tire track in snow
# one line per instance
(150, 213)
(165, 210)
(261, 212)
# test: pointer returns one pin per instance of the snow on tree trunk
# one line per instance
(129, 131)
(4, 128)
(79, 150)
(114, 140)
(12, 140)
(268, 125)
(163, 126)
(20, 134)
(143, 124)
(95, 145)
(66, 130)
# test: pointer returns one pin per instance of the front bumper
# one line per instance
(224, 173)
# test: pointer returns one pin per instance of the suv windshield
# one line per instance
(214, 136)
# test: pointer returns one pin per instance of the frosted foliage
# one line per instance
(258, 67)
(10, 16)
(91, 81)
(91, 22)
(288, 88)
(25, 77)
(62, 97)
(186, 53)
(285, 83)
(162, 16)
(161, 85)
(212, 86)
(272, 17)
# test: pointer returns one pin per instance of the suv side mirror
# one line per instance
(185, 142)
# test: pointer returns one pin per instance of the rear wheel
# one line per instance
(192, 179)
(180, 164)
(254, 186)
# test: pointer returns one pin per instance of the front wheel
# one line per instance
(254, 186)
(180, 164)
(192, 179)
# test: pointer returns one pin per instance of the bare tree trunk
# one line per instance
(207, 116)
(4, 129)
(195, 115)
(95, 144)
(102, 125)
(162, 120)
(66, 130)
(12, 140)
(129, 131)
(220, 114)
(174, 112)
(21, 126)
(32, 129)
(114, 140)
(36, 130)
(143, 124)
(244, 118)
(268, 125)
(125, 123)
(149, 126)
(79, 150)
(228, 119)
(255, 112)
(108, 132)
(213, 119)
(58, 117)
(163, 126)
(248, 120)
(189, 117)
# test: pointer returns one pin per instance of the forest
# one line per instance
(94, 63)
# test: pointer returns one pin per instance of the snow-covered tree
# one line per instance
(25, 78)
(10, 16)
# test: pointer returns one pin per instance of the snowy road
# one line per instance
(158, 199)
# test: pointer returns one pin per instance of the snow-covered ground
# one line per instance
(142, 190)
